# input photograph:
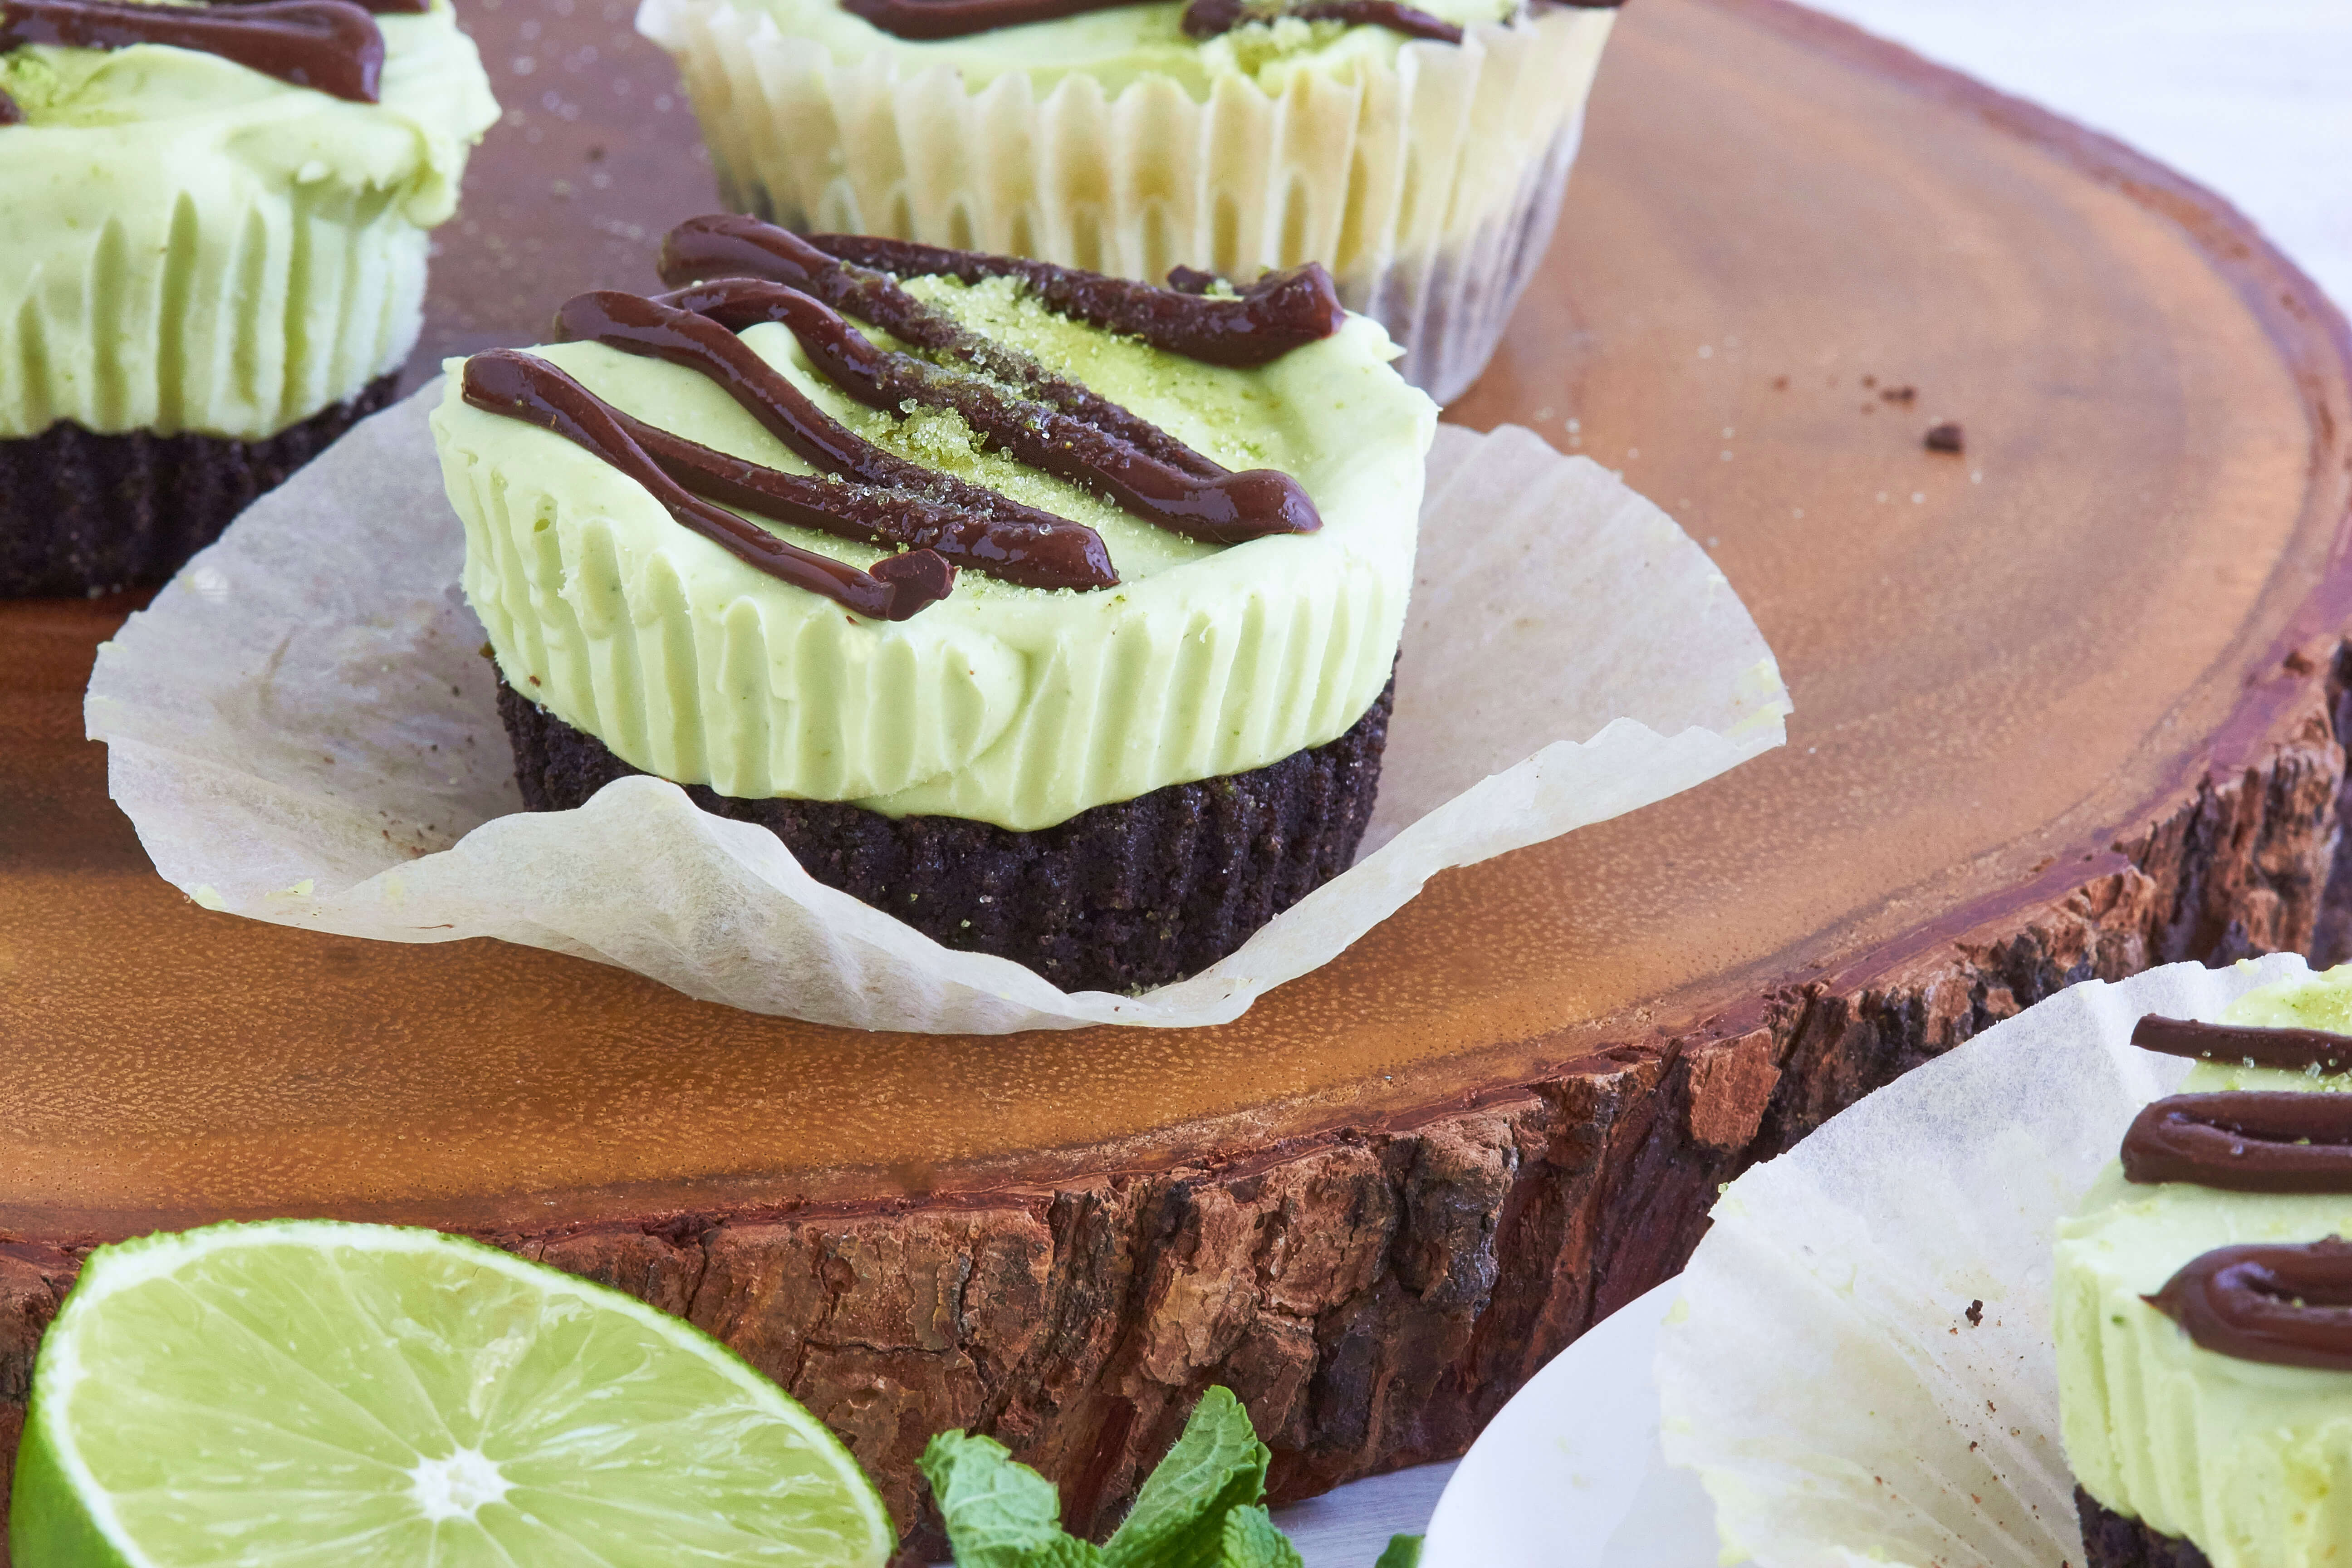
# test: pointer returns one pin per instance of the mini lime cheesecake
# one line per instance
(213, 232)
(1106, 740)
(1418, 150)
(2204, 1300)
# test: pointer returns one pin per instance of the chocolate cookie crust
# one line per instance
(1119, 897)
(2112, 1540)
(86, 514)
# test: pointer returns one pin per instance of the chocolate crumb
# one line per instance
(1945, 437)
(1975, 1314)
(1900, 393)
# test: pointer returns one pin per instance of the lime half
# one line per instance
(337, 1395)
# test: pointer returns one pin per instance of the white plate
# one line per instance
(1569, 1475)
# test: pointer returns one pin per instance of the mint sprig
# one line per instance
(1249, 1540)
(1199, 1509)
(999, 1513)
(1178, 1520)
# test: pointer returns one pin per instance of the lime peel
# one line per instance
(425, 1398)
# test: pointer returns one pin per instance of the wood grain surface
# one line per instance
(2066, 705)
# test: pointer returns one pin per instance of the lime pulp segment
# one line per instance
(311, 1395)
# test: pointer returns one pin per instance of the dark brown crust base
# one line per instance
(87, 514)
(2112, 1540)
(1117, 898)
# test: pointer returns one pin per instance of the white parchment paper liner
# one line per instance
(1821, 1373)
(1429, 187)
(302, 730)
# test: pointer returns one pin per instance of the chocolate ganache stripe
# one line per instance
(1057, 554)
(925, 20)
(373, 7)
(933, 19)
(1207, 18)
(634, 325)
(1229, 508)
(2288, 1305)
(332, 46)
(519, 386)
(2296, 1050)
(2244, 1143)
(726, 246)
(1279, 312)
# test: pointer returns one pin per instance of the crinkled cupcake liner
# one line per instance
(302, 731)
(1430, 187)
(1447, 308)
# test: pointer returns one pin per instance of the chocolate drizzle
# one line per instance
(332, 46)
(372, 7)
(1051, 554)
(1227, 509)
(934, 19)
(2244, 1143)
(520, 386)
(1207, 18)
(745, 273)
(2286, 1305)
(730, 246)
(2293, 1050)
(1279, 312)
(1005, 530)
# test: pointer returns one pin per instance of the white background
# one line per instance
(2250, 97)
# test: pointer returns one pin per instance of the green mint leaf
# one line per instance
(1217, 1466)
(1251, 1541)
(999, 1513)
(1404, 1551)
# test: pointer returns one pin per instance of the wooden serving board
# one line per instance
(2064, 708)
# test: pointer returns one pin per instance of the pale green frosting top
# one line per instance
(2251, 1462)
(187, 244)
(1125, 44)
(1016, 706)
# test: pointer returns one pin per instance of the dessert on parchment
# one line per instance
(2204, 1300)
(1052, 614)
(1417, 151)
(213, 230)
